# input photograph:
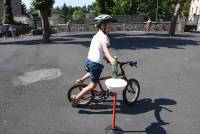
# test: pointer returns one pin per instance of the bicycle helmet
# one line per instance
(103, 19)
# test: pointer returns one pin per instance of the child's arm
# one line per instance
(106, 59)
(108, 54)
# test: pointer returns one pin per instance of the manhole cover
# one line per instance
(39, 75)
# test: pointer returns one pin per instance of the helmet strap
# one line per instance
(104, 29)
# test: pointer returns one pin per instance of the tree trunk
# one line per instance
(177, 11)
(45, 26)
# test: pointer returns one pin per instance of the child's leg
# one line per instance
(85, 90)
(95, 70)
(86, 76)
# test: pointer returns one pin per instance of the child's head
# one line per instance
(104, 22)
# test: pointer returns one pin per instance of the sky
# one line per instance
(68, 2)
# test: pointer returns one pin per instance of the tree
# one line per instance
(186, 7)
(65, 11)
(8, 15)
(78, 15)
(125, 7)
(172, 29)
(23, 9)
(104, 6)
(1, 21)
(147, 9)
(44, 7)
(68, 11)
(91, 7)
(165, 10)
(57, 8)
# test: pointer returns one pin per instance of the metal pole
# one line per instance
(157, 12)
(114, 111)
(114, 129)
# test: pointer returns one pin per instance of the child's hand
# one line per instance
(113, 61)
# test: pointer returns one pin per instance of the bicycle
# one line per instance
(130, 93)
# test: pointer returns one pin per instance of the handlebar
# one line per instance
(131, 63)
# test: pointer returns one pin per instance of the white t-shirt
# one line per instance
(96, 53)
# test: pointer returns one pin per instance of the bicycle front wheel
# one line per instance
(83, 101)
(131, 92)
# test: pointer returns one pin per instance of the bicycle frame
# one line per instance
(122, 75)
(104, 93)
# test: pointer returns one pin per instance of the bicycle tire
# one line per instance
(85, 100)
(133, 86)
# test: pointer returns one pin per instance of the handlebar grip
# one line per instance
(133, 64)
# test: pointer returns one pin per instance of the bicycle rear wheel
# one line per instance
(83, 101)
(131, 92)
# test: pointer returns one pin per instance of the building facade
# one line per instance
(16, 7)
(194, 11)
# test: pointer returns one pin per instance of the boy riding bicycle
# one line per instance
(97, 52)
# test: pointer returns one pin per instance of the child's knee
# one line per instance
(93, 85)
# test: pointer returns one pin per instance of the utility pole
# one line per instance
(157, 12)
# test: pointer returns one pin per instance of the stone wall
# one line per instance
(139, 26)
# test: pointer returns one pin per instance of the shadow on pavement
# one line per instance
(22, 42)
(130, 40)
(136, 41)
(141, 107)
(154, 128)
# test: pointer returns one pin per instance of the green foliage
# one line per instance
(78, 15)
(186, 7)
(104, 6)
(8, 15)
(147, 8)
(1, 20)
(42, 4)
(68, 11)
(23, 9)
(125, 7)
(57, 8)
(65, 11)
(92, 7)
(165, 10)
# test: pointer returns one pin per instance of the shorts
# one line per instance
(94, 69)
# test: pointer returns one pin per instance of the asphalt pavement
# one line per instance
(168, 72)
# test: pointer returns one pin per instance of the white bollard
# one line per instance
(114, 85)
